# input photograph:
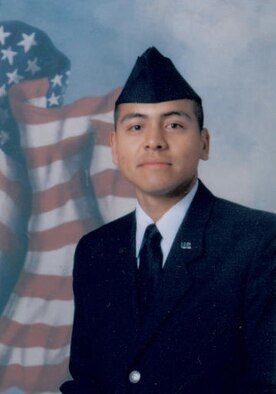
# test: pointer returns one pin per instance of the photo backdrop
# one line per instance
(62, 64)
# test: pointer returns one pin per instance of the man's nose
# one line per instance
(155, 139)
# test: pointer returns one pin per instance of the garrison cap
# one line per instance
(154, 79)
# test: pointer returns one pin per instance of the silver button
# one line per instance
(134, 376)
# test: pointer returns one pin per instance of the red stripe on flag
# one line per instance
(33, 335)
(58, 195)
(36, 379)
(111, 182)
(31, 114)
(44, 155)
(27, 90)
(102, 132)
(57, 237)
(48, 287)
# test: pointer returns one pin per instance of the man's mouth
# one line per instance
(154, 163)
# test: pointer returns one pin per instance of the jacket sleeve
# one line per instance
(83, 380)
(260, 320)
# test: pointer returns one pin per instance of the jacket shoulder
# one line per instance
(110, 233)
(235, 208)
(230, 215)
(243, 217)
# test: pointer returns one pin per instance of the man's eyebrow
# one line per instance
(177, 113)
(132, 115)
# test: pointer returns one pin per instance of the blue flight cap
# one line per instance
(154, 79)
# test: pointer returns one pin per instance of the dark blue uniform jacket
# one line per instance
(211, 327)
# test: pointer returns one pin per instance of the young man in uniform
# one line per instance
(176, 297)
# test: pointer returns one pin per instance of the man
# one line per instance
(176, 297)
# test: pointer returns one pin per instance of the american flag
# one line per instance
(57, 181)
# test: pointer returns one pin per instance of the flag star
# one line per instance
(28, 41)
(3, 35)
(53, 100)
(3, 91)
(4, 137)
(8, 54)
(56, 80)
(32, 66)
(13, 77)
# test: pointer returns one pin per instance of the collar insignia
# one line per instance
(186, 245)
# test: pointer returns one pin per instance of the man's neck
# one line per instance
(156, 206)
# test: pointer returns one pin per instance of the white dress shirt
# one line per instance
(167, 225)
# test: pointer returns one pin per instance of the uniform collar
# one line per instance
(167, 225)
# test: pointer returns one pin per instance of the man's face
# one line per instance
(158, 146)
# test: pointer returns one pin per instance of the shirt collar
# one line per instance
(167, 225)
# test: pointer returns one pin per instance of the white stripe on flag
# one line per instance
(56, 173)
(107, 117)
(38, 101)
(101, 159)
(37, 310)
(57, 262)
(33, 356)
(35, 136)
(73, 210)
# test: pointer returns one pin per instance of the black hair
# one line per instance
(198, 110)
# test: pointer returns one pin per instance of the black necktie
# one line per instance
(150, 267)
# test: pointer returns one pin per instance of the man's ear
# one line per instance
(205, 144)
(113, 144)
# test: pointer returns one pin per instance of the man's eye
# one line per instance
(135, 127)
(175, 125)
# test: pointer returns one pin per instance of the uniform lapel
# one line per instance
(125, 289)
(176, 279)
(124, 264)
